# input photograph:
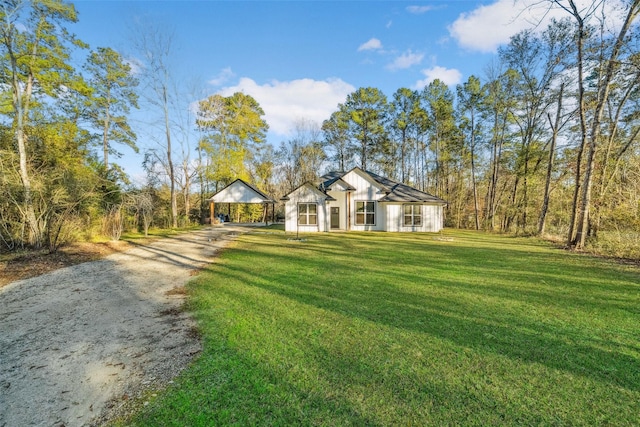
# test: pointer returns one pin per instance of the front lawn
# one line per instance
(409, 329)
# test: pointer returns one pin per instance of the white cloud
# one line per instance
(284, 103)
(489, 26)
(417, 10)
(135, 65)
(222, 77)
(406, 60)
(450, 76)
(372, 44)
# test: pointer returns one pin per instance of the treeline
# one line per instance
(51, 183)
(62, 125)
(544, 141)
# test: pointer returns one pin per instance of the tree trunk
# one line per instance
(171, 170)
(475, 191)
(583, 125)
(509, 216)
(603, 95)
(186, 194)
(29, 213)
(605, 176)
(525, 189)
(547, 185)
(403, 156)
(585, 202)
(473, 173)
(21, 107)
(424, 168)
(105, 135)
(495, 173)
(202, 187)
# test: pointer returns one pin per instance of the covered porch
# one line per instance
(237, 193)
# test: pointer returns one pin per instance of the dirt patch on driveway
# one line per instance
(32, 263)
(77, 343)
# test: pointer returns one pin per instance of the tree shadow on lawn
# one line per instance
(443, 312)
(312, 384)
(515, 263)
(229, 386)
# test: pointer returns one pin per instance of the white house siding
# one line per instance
(431, 218)
(305, 195)
(393, 216)
(340, 202)
(365, 191)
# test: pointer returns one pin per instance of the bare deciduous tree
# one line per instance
(155, 45)
(590, 130)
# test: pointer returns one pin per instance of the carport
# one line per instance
(241, 192)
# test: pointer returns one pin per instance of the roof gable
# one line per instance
(337, 184)
(367, 176)
(308, 188)
(333, 181)
(240, 191)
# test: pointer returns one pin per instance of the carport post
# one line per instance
(211, 210)
(265, 213)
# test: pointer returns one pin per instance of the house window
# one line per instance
(365, 213)
(307, 214)
(412, 215)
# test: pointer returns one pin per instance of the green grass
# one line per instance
(405, 329)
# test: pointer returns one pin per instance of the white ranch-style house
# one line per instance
(361, 201)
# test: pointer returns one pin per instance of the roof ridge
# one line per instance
(254, 188)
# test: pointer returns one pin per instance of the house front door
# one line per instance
(335, 217)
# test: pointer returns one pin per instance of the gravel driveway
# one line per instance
(78, 343)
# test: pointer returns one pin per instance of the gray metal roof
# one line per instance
(327, 180)
(394, 191)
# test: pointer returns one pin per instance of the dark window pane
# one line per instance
(313, 219)
(359, 219)
(407, 220)
(313, 208)
(370, 219)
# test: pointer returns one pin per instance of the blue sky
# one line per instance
(299, 59)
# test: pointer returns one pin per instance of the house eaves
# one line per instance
(313, 188)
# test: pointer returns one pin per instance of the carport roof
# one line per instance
(240, 191)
